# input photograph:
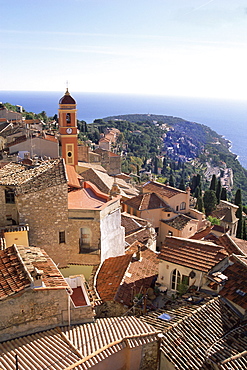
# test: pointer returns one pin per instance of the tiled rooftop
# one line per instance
(147, 201)
(161, 189)
(178, 222)
(121, 278)
(197, 254)
(202, 234)
(110, 276)
(192, 331)
(132, 223)
(17, 263)
(77, 347)
(232, 245)
(230, 351)
(32, 178)
(235, 288)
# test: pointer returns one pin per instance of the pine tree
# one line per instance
(223, 194)
(238, 197)
(218, 191)
(213, 183)
(164, 166)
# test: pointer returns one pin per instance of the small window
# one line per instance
(168, 215)
(9, 196)
(170, 233)
(61, 237)
(182, 206)
(157, 230)
(68, 119)
(177, 208)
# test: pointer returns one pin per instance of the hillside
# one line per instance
(188, 147)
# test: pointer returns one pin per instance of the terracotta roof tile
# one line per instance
(17, 264)
(147, 201)
(178, 222)
(73, 177)
(235, 288)
(110, 276)
(161, 189)
(132, 223)
(88, 197)
(202, 234)
(200, 255)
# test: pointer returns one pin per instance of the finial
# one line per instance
(67, 88)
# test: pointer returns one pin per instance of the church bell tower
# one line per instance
(68, 128)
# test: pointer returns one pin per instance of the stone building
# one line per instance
(34, 296)
(73, 221)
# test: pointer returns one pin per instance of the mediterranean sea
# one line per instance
(226, 117)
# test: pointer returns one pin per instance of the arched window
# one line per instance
(182, 206)
(68, 119)
(176, 279)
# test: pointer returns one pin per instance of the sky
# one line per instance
(194, 48)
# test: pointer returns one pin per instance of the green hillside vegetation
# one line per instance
(177, 148)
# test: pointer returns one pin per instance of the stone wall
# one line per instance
(34, 310)
(149, 359)
(46, 213)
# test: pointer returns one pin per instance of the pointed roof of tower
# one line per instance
(67, 98)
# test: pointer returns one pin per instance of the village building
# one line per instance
(186, 262)
(111, 343)
(72, 220)
(226, 213)
(34, 296)
(167, 209)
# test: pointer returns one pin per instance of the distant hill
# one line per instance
(190, 141)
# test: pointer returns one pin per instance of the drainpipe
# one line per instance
(69, 292)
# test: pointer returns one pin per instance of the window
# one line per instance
(157, 230)
(177, 208)
(182, 206)
(176, 279)
(9, 196)
(68, 119)
(170, 233)
(61, 237)
(85, 239)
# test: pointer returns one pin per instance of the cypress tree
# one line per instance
(193, 184)
(238, 197)
(182, 184)
(156, 165)
(164, 166)
(244, 229)
(218, 191)
(213, 183)
(200, 204)
(210, 201)
(223, 194)
(198, 191)
(239, 233)
(171, 180)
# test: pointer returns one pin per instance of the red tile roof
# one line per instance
(202, 234)
(161, 189)
(51, 138)
(17, 264)
(121, 278)
(110, 276)
(132, 223)
(147, 201)
(199, 255)
(178, 222)
(235, 288)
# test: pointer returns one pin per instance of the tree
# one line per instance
(213, 220)
(213, 183)
(200, 204)
(218, 191)
(238, 197)
(239, 233)
(223, 194)
(198, 191)
(171, 180)
(156, 161)
(182, 184)
(163, 171)
(210, 201)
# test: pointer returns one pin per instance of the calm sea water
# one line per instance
(227, 117)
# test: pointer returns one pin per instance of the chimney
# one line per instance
(37, 277)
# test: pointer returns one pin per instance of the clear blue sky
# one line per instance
(165, 47)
